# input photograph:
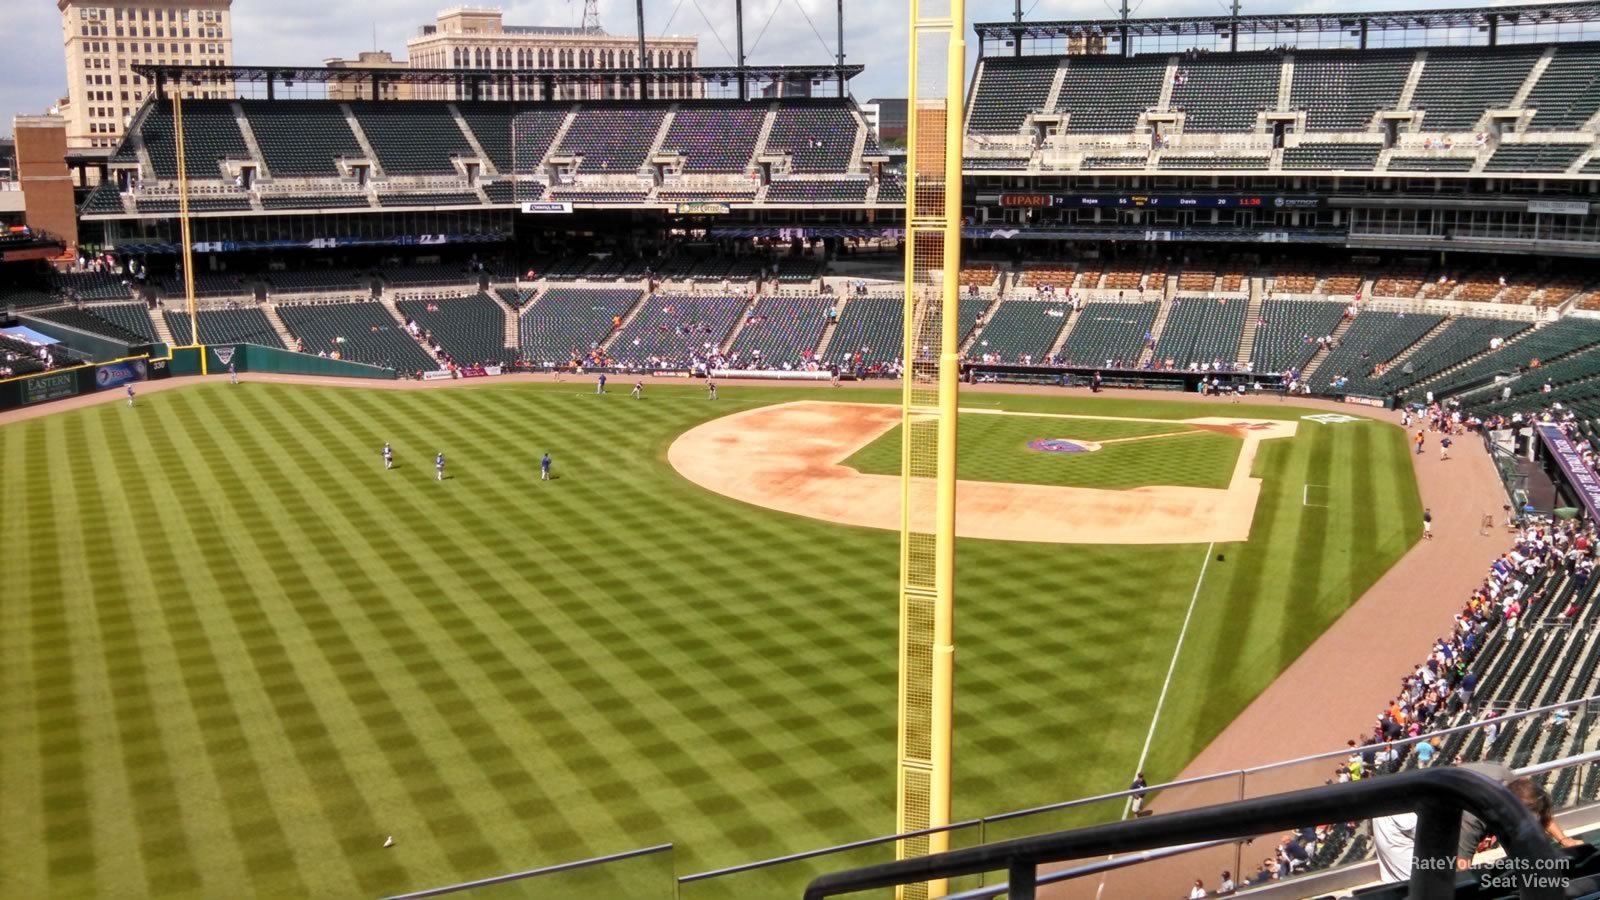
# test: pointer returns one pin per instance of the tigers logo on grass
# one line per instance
(1062, 445)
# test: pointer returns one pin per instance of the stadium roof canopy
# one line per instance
(1268, 24)
(356, 75)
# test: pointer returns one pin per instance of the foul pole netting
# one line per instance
(928, 410)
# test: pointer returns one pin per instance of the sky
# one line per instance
(304, 32)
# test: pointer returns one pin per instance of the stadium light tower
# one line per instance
(591, 17)
(937, 57)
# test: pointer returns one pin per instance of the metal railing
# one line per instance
(1438, 797)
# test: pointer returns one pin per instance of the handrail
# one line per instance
(1438, 796)
(531, 873)
(1111, 864)
(825, 851)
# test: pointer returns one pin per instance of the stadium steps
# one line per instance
(1285, 82)
(558, 137)
(361, 138)
(1055, 87)
(1162, 313)
(661, 134)
(1066, 332)
(1421, 342)
(282, 330)
(1322, 353)
(738, 325)
(1534, 74)
(489, 168)
(513, 319)
(830, 328)
(633, 313)
(164, 332)
(256, 155)
(858, 148)
(387, 302)
(1593, 124)
(988, 314)
(766, 132)
(1410, 89)
(1252, 319)
(1168, 82)
(1580, 162)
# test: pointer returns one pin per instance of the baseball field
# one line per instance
(237, 654)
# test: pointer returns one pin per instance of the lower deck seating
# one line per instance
(871, 327)
(471, 329)
(1021, 327)
(226, 326)
(780, 331)
(1544, 344)
(1109, 334)
(1202, 331)
(362, 332)
(673, 330)
(125, 322)
(1461, 340)
(1286, 336)
(565, 323)
(1374, 338)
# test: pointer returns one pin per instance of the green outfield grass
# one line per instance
(995, 448)
(235, 653)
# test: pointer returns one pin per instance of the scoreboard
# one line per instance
(1149, 201)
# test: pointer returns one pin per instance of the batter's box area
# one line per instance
(1315, 495)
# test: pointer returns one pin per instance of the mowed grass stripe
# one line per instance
(618, 658)
(253, 821)
(406, 740)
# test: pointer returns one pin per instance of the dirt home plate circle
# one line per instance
(1062, 445)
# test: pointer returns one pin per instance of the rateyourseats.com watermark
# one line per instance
(1508, 873)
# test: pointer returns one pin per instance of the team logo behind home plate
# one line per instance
(1062, 445)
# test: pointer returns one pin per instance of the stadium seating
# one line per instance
(1458, 342)
(18, 357)
(1551, 342)
(707, 195)
(416, 138)
(1341, 90)
(470, 329)
(93, 285)
(1021, 327)
(210, 133)
(317, 280)
(1534, 157)
(564, 322)
(871, 326)
(105, 199)
(1119, 161)
(314, 201)
(811, 190)
(462, 198)
(993, 162)
(1430, 163)
(1374, 338)
(1104, 95)
(818, 138)
(1459, 83)
(302, 138)
(197, 204)
(1059, 276)
(1353, 157)
(1171, 161)
(674, 329)
(589, 195)
(225, 326)
(1201, 331)
(715, 139)
(515, 298)
(1224, 92)
(1568, 91)
(1287, 334)
(426, 276)
(1009, 90)
(125, 322)
(781, 330)
(1399, 281)
(1109, 334)
(362, 332)
(613, 139)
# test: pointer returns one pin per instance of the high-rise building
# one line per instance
(105, 39)
(477, 38)
(361, 88)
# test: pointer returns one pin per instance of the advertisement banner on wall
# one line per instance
(438, 375)
(118, 374)
(49, 387)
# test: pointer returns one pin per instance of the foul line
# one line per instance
(1173, 666)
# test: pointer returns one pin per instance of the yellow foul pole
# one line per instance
(931, 356)
(183, 222)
